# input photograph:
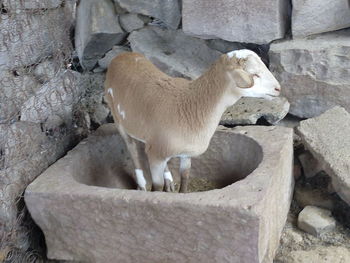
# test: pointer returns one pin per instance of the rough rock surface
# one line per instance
(327, 137)
(97, 31)
(173, 52)
(241, 222)
(27, 151)
(246, 21)
(104, 62)
(92, 107)
(313, 16)
(315, 220)
(310, 165)
(14, 90)
(45, 71)
(323, 254)
(41, 35)
(56, 97)
(167, 11)
(249, 110)
(130, 22)
(31, 4)
(314, 72)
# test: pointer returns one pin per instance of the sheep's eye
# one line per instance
(256, 75)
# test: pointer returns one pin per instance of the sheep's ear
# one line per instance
(243, 79)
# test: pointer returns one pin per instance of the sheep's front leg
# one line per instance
(185, 167)
(168, 181)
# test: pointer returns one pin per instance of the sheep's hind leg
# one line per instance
(168, 181)
(185, 167)
(135, 156)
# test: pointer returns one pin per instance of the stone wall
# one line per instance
(308, 41)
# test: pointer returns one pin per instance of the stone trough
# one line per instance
(85, 205)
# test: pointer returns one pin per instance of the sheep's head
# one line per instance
(252, 78)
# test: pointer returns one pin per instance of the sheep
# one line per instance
(176, 117)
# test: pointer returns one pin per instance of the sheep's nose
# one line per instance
(277, 89)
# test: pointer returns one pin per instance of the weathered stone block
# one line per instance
(167, 11)
(76, 199)
(314, 16)
(97, 31)
(250, 110)
(247, 21)
(327, 137)
(130, 22)
(173, 52)
(314, 72)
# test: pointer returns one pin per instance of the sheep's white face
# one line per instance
(265, 84)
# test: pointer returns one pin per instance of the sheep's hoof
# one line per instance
(141, 188)
(169, 186)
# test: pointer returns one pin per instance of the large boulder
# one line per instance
(236, 20)
(167, 11)
(327, 137)
(313, 72)
(173, 52)
(97, 31)
(314, 16)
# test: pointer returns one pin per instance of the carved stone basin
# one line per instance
(87, 208)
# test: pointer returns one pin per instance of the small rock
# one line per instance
(167, 11)
(315, 220)
(249, 110)
(313, 197)
(97, 32)
(327, 136)
(130, 22)
(330, 254)
(104, 62)
(310, 165)
(173, 52)
(314, 16)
